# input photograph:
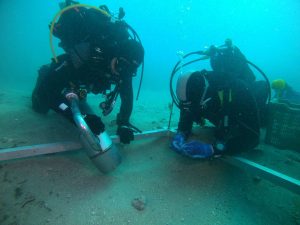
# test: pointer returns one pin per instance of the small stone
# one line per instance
(139, 203)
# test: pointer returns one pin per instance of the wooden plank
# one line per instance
(146, 134)
(35, 150)
(273, 176)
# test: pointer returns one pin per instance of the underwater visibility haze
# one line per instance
(153, 185)
(268, 32)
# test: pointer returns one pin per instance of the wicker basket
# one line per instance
(283, 126)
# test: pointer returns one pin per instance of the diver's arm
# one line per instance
(58, 81)
(192, 148)
(125, 129)
(185, 121)
(126, 94)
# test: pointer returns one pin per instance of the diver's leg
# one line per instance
(244, 125)
(241, 143)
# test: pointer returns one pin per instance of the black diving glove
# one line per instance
(126, 133)
(95, 123)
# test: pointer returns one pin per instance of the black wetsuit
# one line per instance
(56, 79)
(90, 41)
(234, 105)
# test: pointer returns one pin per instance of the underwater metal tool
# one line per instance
(100, 149)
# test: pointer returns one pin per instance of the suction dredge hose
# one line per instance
(107, 158)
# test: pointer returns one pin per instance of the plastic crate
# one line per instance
(283, 126)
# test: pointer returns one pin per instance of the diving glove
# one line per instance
(192, 149)
(197, 150)
(126, 133)
(177, 142)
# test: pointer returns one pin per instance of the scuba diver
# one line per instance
(102, 55)
(284, 92)
(228, 96)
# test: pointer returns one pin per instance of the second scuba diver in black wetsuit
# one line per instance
(229, 97)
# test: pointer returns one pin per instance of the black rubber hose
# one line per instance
(136, 37)
(176, 69)
(266, 78)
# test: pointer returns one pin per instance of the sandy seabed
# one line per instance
(152, 185)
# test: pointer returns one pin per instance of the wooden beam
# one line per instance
(35, 150)
(273, 176)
